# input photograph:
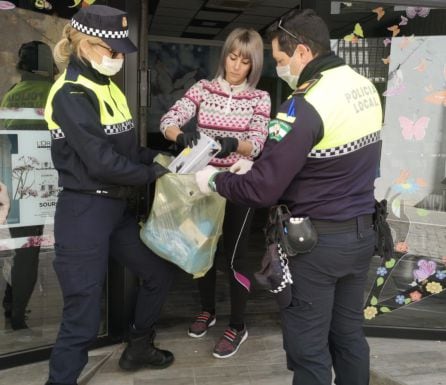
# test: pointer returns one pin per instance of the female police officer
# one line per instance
(94, 148)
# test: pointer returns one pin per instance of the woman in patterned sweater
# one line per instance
(231, 110)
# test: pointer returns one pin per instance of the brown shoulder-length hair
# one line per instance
(250, 44)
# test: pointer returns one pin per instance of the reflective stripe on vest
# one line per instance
(110, 95)
(352, 119)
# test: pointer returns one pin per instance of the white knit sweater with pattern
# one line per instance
(223, 110)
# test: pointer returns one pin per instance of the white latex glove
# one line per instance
(202, 178)
(4, 203)
(242, 166)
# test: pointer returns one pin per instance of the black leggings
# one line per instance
(236, 229)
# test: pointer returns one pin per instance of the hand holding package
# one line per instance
(242, 166)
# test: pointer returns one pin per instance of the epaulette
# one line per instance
(306, 86)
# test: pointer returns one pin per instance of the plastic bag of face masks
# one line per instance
(184, 225)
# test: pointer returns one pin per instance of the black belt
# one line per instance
(359, 224)
(118, 192)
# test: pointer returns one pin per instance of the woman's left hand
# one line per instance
(228, 145)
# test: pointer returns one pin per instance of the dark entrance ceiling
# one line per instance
(214, 19)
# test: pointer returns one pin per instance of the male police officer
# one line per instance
(321, 161)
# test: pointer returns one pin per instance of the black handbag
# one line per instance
(295, 235)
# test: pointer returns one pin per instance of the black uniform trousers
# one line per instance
(322, 328)
(89, 228)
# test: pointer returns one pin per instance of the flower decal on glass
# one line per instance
(415, 296)
(400, 299)
(441, 274)
(434, 287)
(370, 312)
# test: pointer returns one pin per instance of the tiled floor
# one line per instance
(260, 361)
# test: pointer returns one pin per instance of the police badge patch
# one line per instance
(277, 129)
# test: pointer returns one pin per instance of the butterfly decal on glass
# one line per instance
(395, 29)
(379, 12)
(412, 12)
(355, 35)
(404, 20)
(85, 3)
(406, 41)
(425, 270)
(422, 66)
(398, 86)
(438, 98)
(413, 129)
(6, 5)
(402, 178)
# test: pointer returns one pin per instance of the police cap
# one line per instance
(107, 23)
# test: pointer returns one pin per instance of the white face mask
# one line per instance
(108, 66)
(284, 72)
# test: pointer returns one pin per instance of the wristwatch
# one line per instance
(211, 183)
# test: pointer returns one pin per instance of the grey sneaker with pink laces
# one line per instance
(202, 322)
(229, 344)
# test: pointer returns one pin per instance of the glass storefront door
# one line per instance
(408, 292)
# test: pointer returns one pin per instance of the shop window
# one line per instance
(29, 291)
(409, 290)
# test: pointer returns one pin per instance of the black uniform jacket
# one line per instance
(86, 155)
(333, 184)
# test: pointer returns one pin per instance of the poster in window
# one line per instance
(28, 172)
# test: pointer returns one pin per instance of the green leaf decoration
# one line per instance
(390, 263)
(384, 309)
(373, 301)
(76, 3)
(379, 281)
(407, 301)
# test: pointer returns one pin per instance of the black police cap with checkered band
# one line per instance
(107, 23)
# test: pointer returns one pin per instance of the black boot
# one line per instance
(141, 352)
